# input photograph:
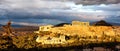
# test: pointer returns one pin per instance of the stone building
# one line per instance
(80, 23)
(44, 28)
(51, 40)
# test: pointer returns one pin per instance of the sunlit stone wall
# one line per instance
(80, 23)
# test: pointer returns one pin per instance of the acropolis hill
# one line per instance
(77, 31)
(77, 35)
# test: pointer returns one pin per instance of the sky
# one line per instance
(43, 12)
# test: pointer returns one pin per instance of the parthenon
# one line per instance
(80, 23)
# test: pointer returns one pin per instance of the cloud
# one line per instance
(27, 4)
(57, 11)
(48, 6)
(90, 2)
(96, 2)
(32, 6)
(28, 24)
(41, 22)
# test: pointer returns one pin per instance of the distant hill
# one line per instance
(14, 25)
(61, 24)
(101, 23)
(115, 24)
(0, 25)
(17, 25)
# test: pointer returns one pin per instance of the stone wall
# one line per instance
(45, 28)
(84, 30)
(80, 23)
(51, 40)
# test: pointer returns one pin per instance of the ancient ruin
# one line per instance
(80, 23)
(61, 35)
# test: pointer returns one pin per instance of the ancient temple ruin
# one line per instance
(60, 35)
(80, 23)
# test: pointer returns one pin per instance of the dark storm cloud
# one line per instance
(103, 7)
(91, 2)
(26, 15)
(57, 11)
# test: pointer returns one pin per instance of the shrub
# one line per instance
(6, 42)
(26, 42)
